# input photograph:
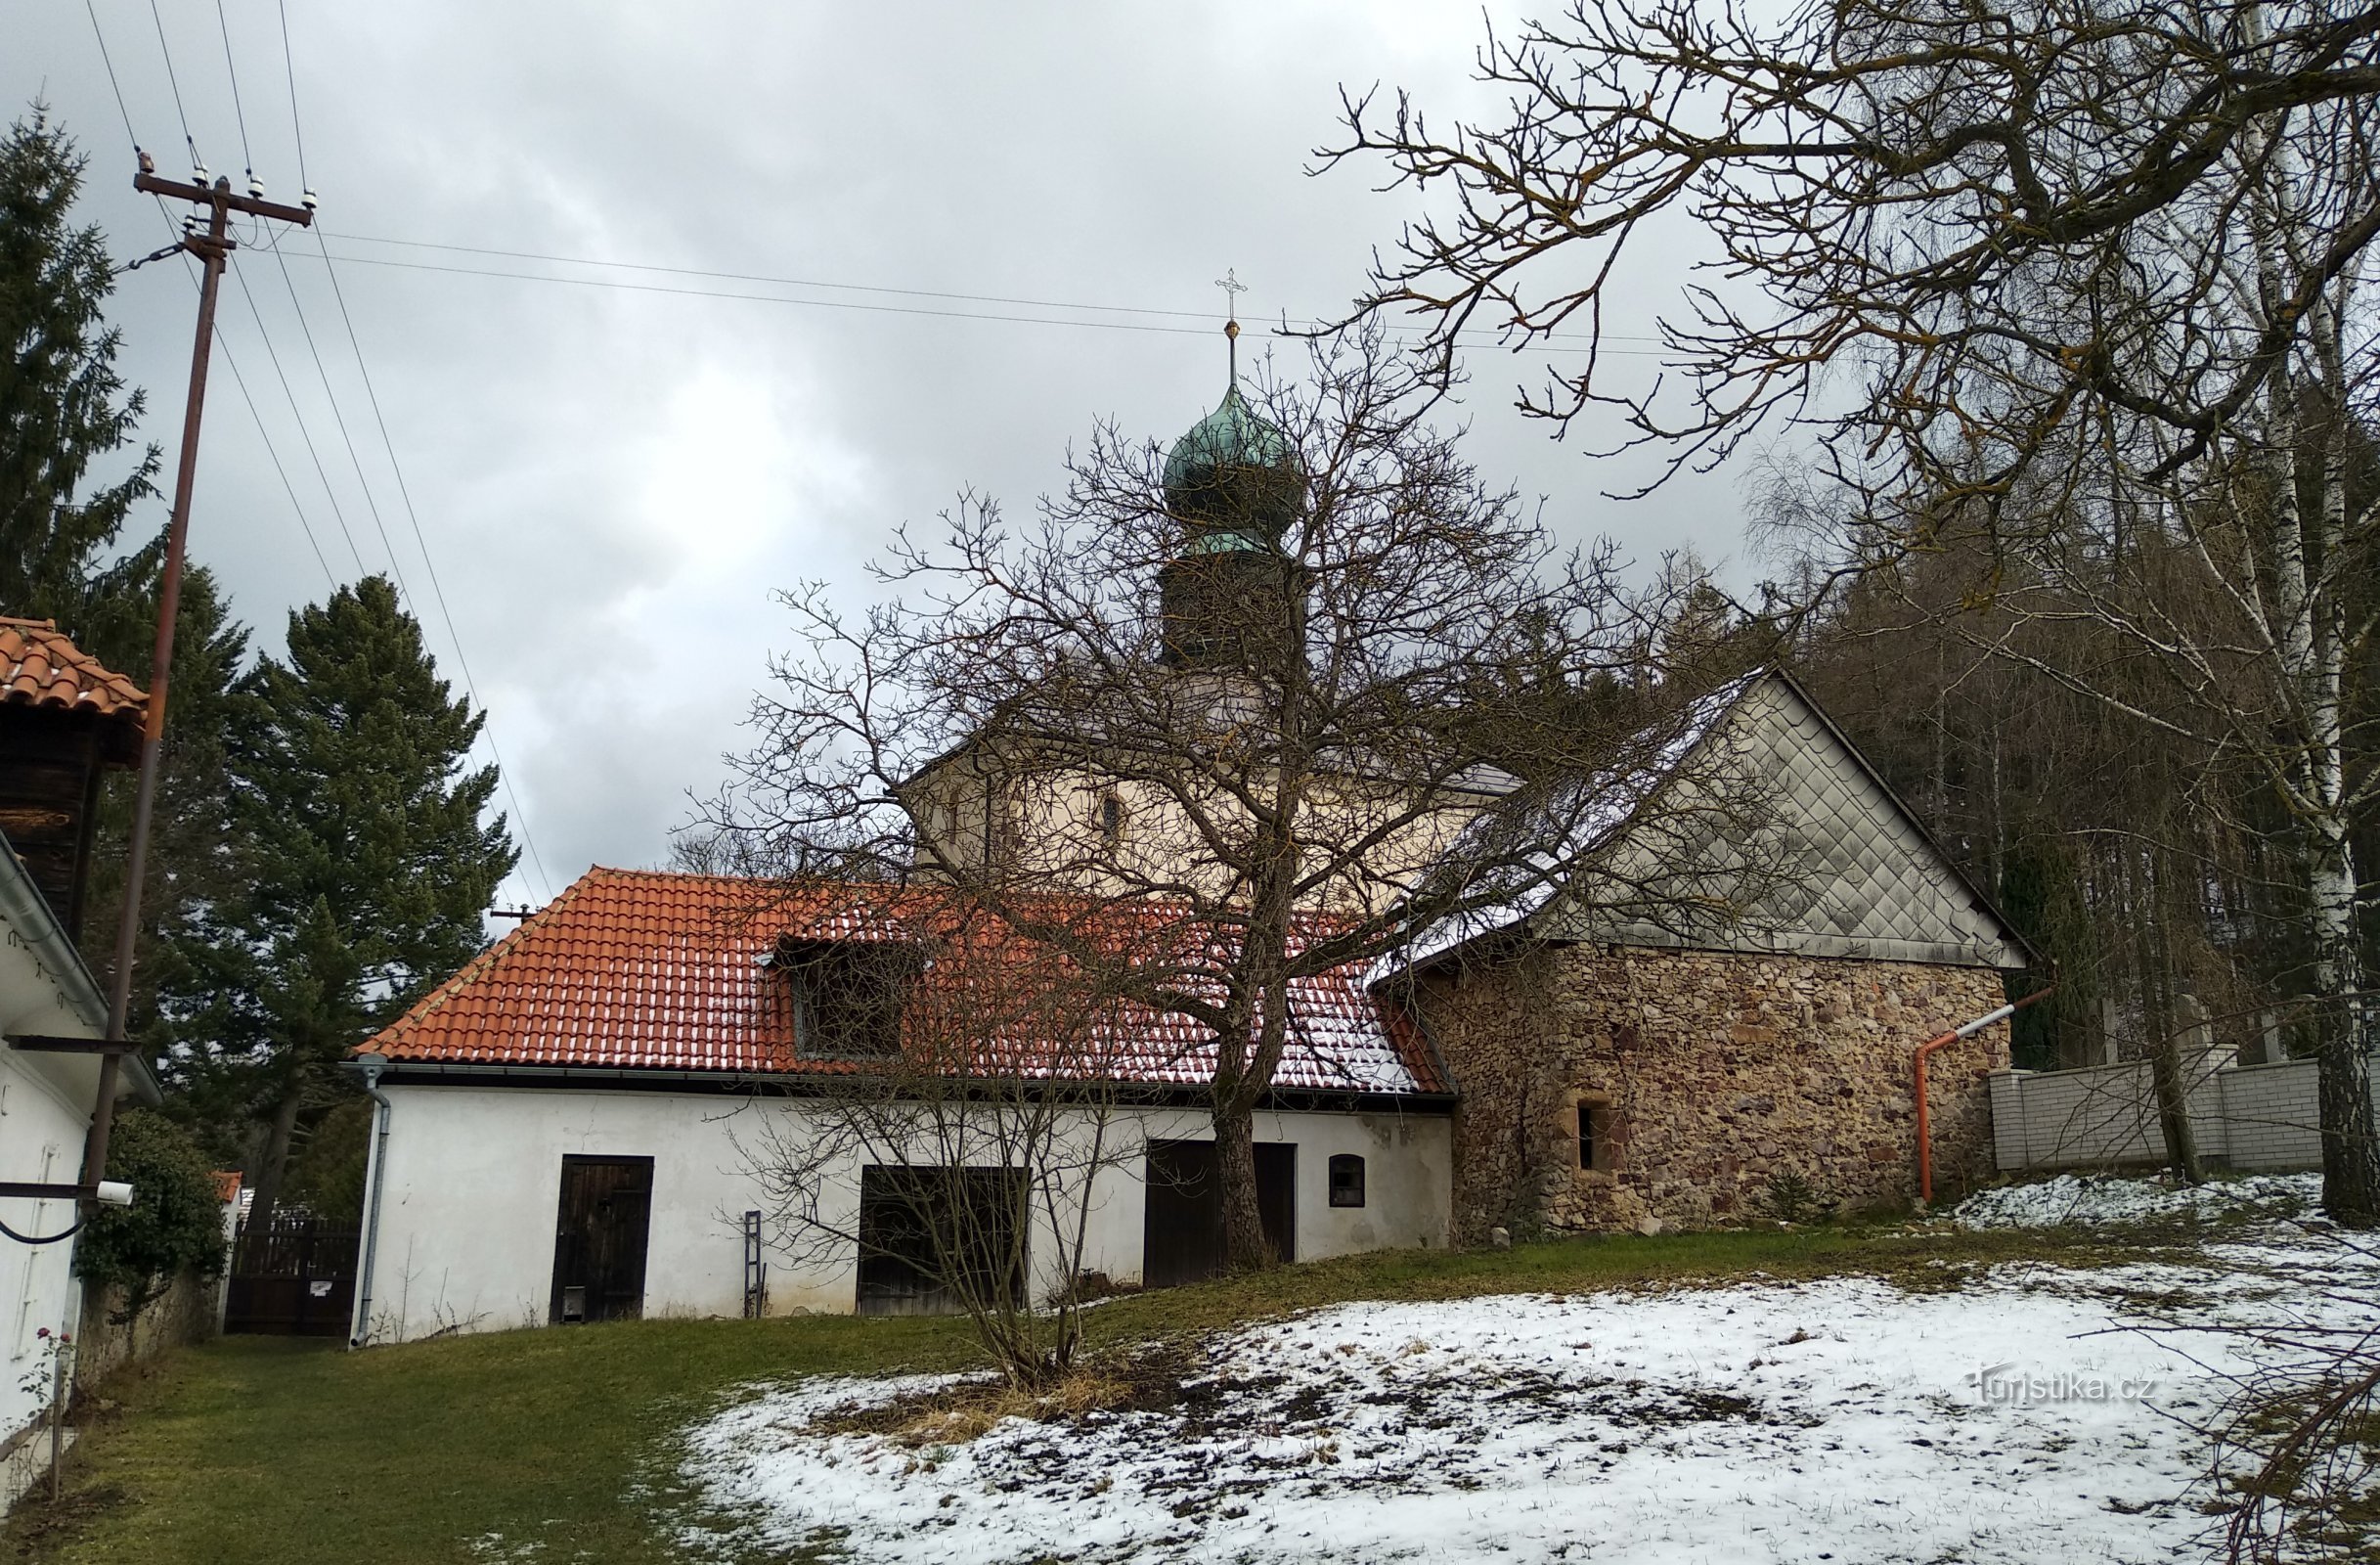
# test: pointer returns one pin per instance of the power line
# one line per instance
(240, 114)
(274, 354)
(225, 348)
(339, 418)
(504, 774)
(845, 305)
(175, 82)
(288, 65)
(757, 276)
(765, 299)
(113, 86)
(819, 283)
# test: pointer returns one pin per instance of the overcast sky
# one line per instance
(611, 481)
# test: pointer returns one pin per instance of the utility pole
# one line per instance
(214, 248)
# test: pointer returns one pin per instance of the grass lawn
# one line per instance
(257, 1450)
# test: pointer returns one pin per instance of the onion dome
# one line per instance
(1233, 480)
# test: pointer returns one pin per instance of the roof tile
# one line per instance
(640, 970)
(40, 666)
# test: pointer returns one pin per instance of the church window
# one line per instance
(1346, 1179)
(1111, 817)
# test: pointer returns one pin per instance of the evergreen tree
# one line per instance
(193, 865)
(62, 409)
(369, 858)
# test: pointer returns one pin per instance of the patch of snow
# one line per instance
(2102, 1199)
(2006, 1420)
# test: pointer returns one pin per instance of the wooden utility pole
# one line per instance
(214, 248)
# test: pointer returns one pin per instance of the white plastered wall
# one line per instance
(45, 1113)
(468, 1209)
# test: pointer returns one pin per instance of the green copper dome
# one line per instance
(1233, 480)
(1232, 435)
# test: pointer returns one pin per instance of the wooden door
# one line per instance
(599, 1235)
(1182, 1223)
(926, 1234)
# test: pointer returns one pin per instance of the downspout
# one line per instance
(1926, 1140)
(372, 1066)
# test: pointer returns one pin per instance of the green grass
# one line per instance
(258, 1451)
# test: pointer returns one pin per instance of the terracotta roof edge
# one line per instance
(469, 972)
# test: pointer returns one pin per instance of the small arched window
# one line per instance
(1111, 817)
(1346, 1179)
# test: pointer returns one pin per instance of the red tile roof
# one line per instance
(40, 667)
(638, 969)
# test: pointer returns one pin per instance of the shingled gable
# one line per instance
(1870, 883)
(637, 970)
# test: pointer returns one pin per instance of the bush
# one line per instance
(174, 1224)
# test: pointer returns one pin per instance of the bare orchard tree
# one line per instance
(955, 1139)
(2067, 280)
(1903, 201)
(1242, 689)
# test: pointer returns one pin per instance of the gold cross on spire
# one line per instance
(1232, 288)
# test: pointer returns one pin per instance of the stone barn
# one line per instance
(1618, 1069)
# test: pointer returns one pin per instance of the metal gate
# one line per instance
(293, 1277)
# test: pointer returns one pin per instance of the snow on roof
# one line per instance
(1506, 879)
(638, 969)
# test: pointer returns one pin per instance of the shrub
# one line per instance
(174, 1224)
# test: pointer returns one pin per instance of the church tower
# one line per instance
(1229, 596)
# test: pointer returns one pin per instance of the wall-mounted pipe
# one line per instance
(1926, 1140)
(383, 1110)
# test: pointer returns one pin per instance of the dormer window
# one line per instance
(848, 995)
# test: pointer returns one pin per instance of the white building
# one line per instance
(576, 1126)
(62, 718)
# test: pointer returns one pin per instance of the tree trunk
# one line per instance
(276, 1161)
(1245, 1246)
(2350, 1164)
(2169, 1073)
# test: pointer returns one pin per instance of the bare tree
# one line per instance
(1893, 190)
(1243, 688)
(2075, 282)
(957, 1138)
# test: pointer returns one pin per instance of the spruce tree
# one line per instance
(192, 862)
(63, 409)
(369, 856)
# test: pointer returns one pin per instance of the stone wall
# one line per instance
(1715, 1073)
(189, 1310)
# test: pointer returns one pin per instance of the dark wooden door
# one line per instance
(931, 1237)
(1182, 1227)
(599, 1233)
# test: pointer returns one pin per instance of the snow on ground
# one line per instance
(2000, 1418)
(2014, 1414)
(2100, 1200)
